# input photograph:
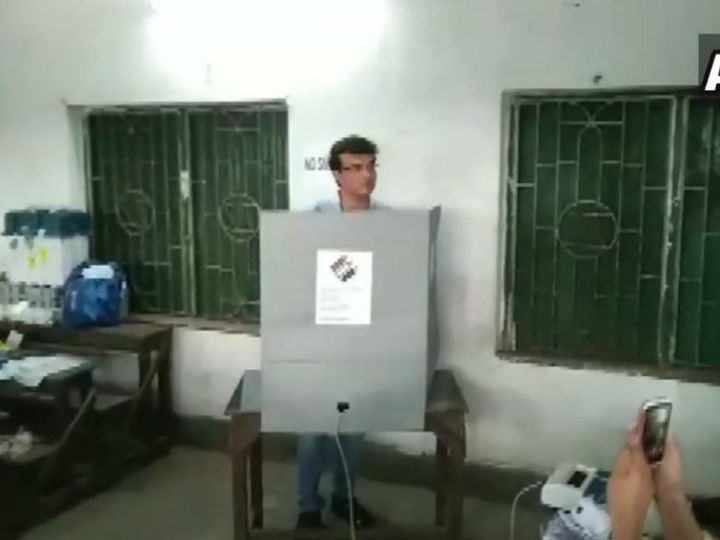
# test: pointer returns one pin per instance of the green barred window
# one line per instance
(175, 195)
(613, 228)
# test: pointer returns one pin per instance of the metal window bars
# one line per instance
(175, 195)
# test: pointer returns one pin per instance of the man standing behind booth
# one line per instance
(352, 161)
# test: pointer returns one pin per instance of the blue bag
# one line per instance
(94, 295)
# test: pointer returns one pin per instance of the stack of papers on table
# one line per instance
(32, 370)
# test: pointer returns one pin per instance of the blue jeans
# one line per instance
(315, 452)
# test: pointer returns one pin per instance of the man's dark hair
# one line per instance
(353, 144)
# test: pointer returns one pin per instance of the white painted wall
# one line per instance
(424, 79)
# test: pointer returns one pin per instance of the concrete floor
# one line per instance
(187, 496)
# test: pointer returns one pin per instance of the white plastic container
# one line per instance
(41, 260)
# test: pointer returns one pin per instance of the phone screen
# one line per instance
(655, 430)
(576, 479)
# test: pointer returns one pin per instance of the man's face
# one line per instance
(357, 175)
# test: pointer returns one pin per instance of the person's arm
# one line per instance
(675, 512)
(629, 490)
(624, 530)
(677, 517)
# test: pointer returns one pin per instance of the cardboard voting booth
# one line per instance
(348, 315)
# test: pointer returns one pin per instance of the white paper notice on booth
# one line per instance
(343, 290)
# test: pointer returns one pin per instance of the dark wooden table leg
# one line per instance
(241, 530)
(256, 482)
(165, 385)
(244, 445)
(442, 464)
(449, 429)
(139, 419)
(456, 459)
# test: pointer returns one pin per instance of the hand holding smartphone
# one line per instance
(656, 424)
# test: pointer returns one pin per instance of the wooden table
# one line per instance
(54, 392)
(151, 412)
(444, 416)
(146, 414)
(55, 470)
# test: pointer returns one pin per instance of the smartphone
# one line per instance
(655, 428)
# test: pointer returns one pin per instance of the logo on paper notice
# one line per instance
(709, 63)
(343, 282)
(344, 268)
